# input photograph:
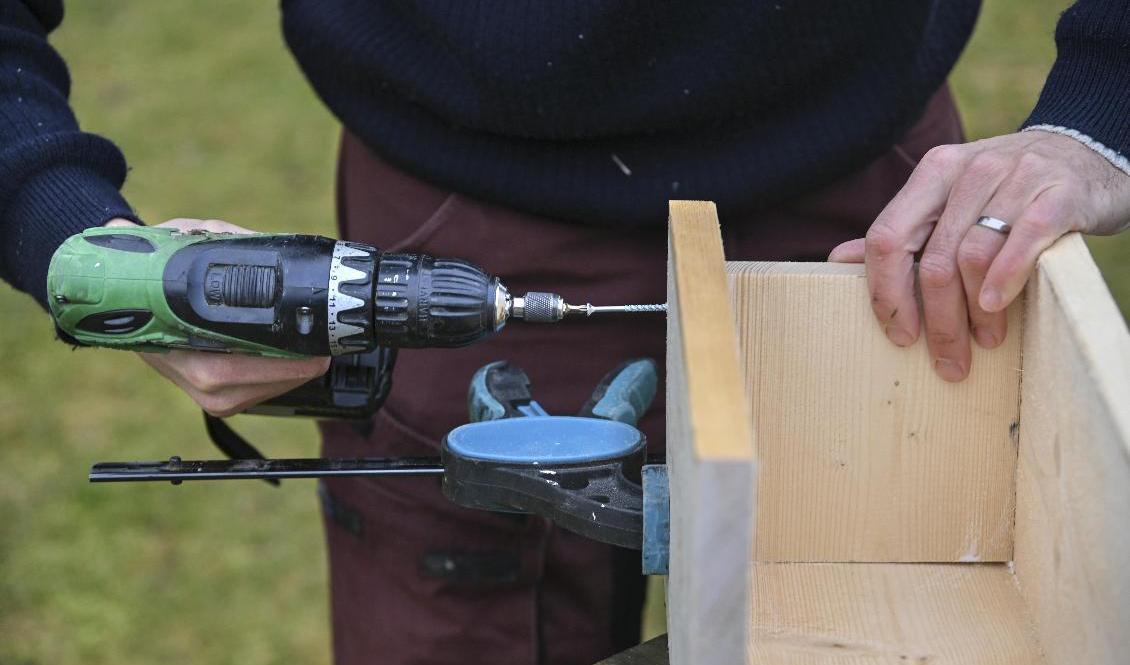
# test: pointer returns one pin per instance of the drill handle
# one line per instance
(147, 289)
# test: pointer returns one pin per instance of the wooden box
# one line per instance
(833, 501)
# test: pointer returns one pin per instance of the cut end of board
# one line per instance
(699, 302)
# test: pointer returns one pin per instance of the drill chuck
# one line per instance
(539, 307)
(421, 301)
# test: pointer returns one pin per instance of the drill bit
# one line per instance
(588, 309)
(539, 307)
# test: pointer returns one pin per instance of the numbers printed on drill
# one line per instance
(336, 301)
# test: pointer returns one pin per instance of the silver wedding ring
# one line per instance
(998, 225)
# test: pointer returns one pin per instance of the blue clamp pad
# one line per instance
(545, 441)
(629, 394)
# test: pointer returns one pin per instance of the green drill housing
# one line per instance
(125, 288)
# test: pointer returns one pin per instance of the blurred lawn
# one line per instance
(217, 122)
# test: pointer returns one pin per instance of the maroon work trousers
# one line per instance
(416, 579)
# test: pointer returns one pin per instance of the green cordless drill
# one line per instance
(285, 296)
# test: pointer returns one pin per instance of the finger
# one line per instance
(852, 251)
(218, 398)
(220, 226)
(898, 233)
(980, 248)
(946, 317)
(231, 401)
(1047, 218)
(944, 305)
(213, 225)
(163, 367)
(181, 223)
(213, 373)
(976, 253)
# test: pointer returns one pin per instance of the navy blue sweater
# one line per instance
(585, 110)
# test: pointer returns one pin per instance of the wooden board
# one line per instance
(1073, 479)
(889, 614)
(709, 450)
(864, 454)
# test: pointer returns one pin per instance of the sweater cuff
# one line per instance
(1116, 160)
(1088, 89)
(51, 206)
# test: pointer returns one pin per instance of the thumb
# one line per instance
(851, 251)
(213, 225)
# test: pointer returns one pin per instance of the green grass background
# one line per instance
(216, 121)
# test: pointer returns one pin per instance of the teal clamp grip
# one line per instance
(481, 404)
(500, 390)
(627, 396)
(532, 410)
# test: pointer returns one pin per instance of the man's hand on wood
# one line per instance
(1042, 184)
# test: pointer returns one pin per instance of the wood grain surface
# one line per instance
(889, 614)
(1073, 480)
(864, 454)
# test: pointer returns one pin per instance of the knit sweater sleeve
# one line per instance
(1087, 94)
(55, 180)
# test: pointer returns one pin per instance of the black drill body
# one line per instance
(315, 296)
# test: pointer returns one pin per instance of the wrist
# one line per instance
(1116, 160)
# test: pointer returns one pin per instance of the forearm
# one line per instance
(55, 180)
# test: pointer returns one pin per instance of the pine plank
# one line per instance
(709, 450)
(864, 454)
(889, 614)
(1073, 478)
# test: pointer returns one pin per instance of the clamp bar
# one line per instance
(176, 470)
